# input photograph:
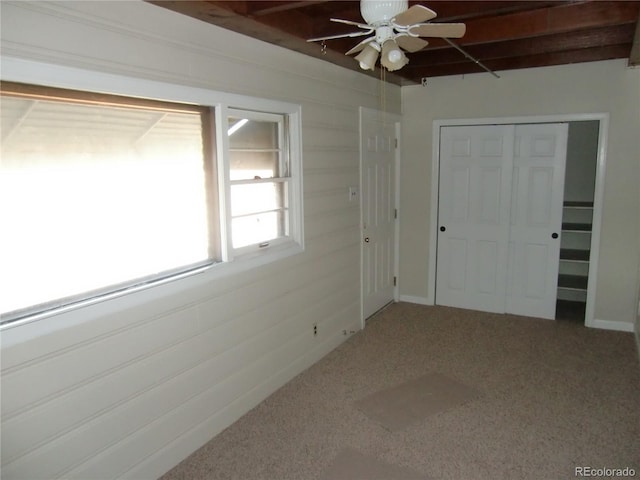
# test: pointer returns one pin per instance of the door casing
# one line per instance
(602, 118)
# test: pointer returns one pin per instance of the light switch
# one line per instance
(353, 194)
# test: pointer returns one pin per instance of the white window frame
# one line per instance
(185, 284)
(289, 142)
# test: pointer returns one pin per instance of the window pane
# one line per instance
(258, 197)
(95, 195)
(252, 134)
(257, 228)
(254, 165)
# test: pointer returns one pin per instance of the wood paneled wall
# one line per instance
(128, 390)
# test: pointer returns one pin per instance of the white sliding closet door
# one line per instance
(500, 204)
(473, 236)
(536, 219)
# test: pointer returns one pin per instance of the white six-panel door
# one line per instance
(500, 202)
(536, 219)
(378, 207)
(475, 189)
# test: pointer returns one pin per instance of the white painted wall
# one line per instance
(599, 87)
(129, 388)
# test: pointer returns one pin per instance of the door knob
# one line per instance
(554, 235)
(442, 229)
(366, 239)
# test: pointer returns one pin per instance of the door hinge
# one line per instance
(396, 140)
(395, 281)
(395, 213)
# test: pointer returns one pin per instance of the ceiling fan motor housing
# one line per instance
(383, 34)
(377, 12)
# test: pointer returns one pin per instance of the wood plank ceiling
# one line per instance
(503, 35)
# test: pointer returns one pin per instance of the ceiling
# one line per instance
(502, 35)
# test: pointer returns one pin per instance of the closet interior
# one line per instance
(577, 215)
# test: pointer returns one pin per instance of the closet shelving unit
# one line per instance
(574, 258)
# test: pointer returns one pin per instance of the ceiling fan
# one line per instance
(395, 28)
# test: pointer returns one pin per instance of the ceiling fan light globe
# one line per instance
(394, 55)
(393, 58)
(380, 11)
(367, 58)
(393, 66)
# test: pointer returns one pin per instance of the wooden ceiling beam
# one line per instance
(541, 60)
(550, 20)
(460, 11)
(259, 9)
(291, 21)
(241, 7)
(619, 34)
(323, 26)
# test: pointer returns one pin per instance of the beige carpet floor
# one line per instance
(539, 398)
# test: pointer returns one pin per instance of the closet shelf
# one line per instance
(576, 227)
(574, 255)
(578, 204)
(573, 282)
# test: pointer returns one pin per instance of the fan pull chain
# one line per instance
(383, 93)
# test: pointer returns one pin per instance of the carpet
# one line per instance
(549, 397)
(400, 406)
(350, 464)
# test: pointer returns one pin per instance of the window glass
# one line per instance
(245, 198)
(96, 194)
(248, 165)
(253, 134)
(259, 178)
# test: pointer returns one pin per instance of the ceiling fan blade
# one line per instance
(349, 22)
(441, 30)
(410, 44)
(361, 45)
(415, 14)
(342, 35)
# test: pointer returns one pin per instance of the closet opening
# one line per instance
(577, 220)
(580, 211)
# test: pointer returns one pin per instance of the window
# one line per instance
(101, 194)
(259, 178)
(99, 191)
